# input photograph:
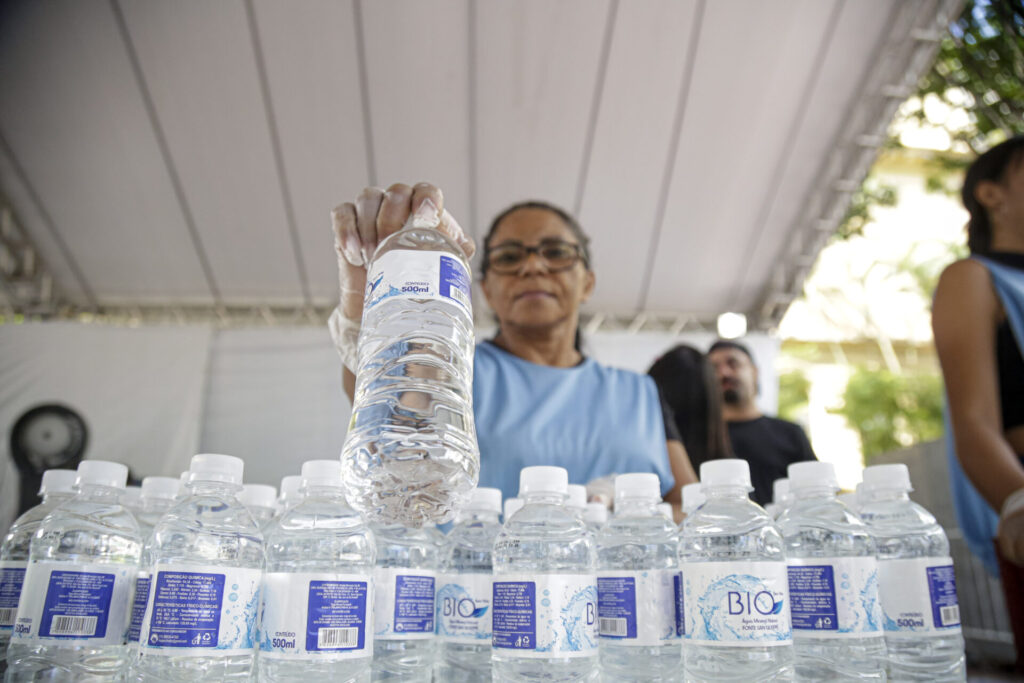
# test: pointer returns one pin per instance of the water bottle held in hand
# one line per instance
(410, 456)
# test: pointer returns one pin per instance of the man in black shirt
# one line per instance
(769, 444)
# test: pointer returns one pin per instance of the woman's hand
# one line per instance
(375, 214)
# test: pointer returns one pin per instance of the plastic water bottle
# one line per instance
(131, 499)
(158, 495)
(637, 582)
(207, 567)
(405, 585)
(261, 501)
(318, 586)
(693, 497)
(833, 582)
(849, 499)
(916, 580)
(511, 506)
(73, 613)
(464, 591)
(577, 500)
(594, 516)
(411, 455)
(57, 487)
(545, 587)
(290, 486)
(665, 509)
(736, 591)
(781, 498)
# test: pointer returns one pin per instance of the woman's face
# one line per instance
(1004, 200)
(534, 295)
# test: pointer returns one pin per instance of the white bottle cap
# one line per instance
(813, 474)
(512, 506)
(725, 472)
(780, 491)
(322, 473)
(131, 496)
(595, 513)
(162, 488)
(895, 477)
(693, 497)
(58, 481)
(258, 496)
(216, 467)
(577, 497)
(637, 485)
(665, 509)
(543, 479)
(290, 486)
(101, 473)
(484, 498)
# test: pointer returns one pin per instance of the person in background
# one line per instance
(769, 444)
(978, 323)
(537, 399)
(688, 384)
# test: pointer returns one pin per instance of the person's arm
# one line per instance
(965, 314)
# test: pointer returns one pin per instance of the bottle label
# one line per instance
(403, 606)
(545, 616)
(208, 610)
(139, 602)
(316, 615)
(464, 608)
(12, 575)
(89, 603)
(637, 607)
(434, 275)
(680, 602)
(919, 595)
(736, 602)
(834, 597)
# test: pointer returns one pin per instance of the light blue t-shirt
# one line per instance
(590, 419)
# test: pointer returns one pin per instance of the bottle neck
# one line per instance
(814, 492)
(213, 488)
(726, 491)
(476, 515)
(636, 506)
(544, 497)
(156, 504)
(885, 496)
(57, 497)
(99, 493)
(325, 493)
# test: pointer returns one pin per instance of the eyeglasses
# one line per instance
(557, 255)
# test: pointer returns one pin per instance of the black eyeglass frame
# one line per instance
(576, 247)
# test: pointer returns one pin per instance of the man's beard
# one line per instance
(731, 396)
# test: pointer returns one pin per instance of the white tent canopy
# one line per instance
(182, 157)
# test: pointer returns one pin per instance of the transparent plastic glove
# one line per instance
(1010, 532)
(360, 226)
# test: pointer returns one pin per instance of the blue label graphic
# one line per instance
(454, 277)
(11, 579)
(942, 589)
(812, 592)
(414, 604)
(677, 587)
(138, 608)
(616, 606)
(514, 605)
(77, 605)
(186, 609)
(339, 608)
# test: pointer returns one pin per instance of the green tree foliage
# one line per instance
(794, 388)
(891, 411)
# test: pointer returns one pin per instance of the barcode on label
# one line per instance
(950, 615)
(611, 627)
(73, 626)
(7, 615)
(459, 296)
(337, 637)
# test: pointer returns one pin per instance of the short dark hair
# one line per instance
(730, 344)
(990, 166)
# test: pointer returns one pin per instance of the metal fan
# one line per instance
(46, 437)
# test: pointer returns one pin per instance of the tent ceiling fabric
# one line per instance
(176, 154)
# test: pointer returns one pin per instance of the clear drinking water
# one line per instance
(261, 501)
(57, 487)
(833, 582)
(206, 569)
(73, 612)
(736, 591)
(637, 583)
(916, 580)
(464, 591)
(410, 456)
(405, 582)
(318, 586)
(544, 599)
